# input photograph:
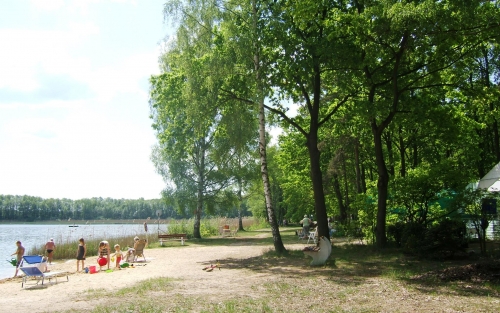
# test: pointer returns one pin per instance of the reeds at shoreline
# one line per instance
(66, 247)
(68, 250)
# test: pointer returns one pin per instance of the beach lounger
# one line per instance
(35, 272)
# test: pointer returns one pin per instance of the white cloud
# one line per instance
(27, 52)
(123, 76)
(98, 145)
(50, 5)
(78, 157)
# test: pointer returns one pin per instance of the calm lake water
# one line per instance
(35, 235)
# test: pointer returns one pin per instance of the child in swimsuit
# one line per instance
(104, 250)
(118, 255)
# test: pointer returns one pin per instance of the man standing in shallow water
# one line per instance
(19, 255)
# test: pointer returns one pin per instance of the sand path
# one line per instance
(184, 263)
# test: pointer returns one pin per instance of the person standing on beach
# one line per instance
(80, 254)
(19, 255)
(118, 255)
(104, 251)
(50, 246)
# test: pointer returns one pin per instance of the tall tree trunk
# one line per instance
(363, 178)
(402, 150)
(317, 182)
(200, 195)
(338, 195)
(496, 139)
(278, 243)
(390, 153)
(415, 153)
(487, 82)
(359, 188)
(382, 186)
(346, 184)
(314, 154)
(240, 204)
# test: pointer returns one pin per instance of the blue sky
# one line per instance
(74, 113)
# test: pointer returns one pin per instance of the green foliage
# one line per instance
(413, 238)
(420, 116)
(442, 240)
(415, 196)
(395, 232)
(184, 226)
(364, 208)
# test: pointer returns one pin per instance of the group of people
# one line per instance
(307, 223)
(50, 246)
(104, 251)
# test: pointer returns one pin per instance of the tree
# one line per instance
(304, 56)
(403, 47)
(243, 25)
(204, 139)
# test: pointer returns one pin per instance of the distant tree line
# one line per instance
(32, 209)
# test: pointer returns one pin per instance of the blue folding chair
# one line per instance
(30, 266)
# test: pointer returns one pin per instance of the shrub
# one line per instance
(443, 240)
(446, 239)
(395, 232)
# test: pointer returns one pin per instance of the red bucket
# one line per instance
(92, 270)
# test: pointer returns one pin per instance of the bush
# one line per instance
(413, 238)
(440, 241)
(395, 232)
(446, 239)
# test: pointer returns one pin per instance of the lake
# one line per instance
(36, 235)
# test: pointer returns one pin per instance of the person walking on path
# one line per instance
(80, 254)
(19, 255)
(50, 246)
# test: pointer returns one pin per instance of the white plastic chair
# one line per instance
(313, 235)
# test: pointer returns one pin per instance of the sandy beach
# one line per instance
(183, 263)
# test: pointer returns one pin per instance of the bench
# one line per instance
(320, 252)
(168, 237)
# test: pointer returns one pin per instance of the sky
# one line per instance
(74, 112)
